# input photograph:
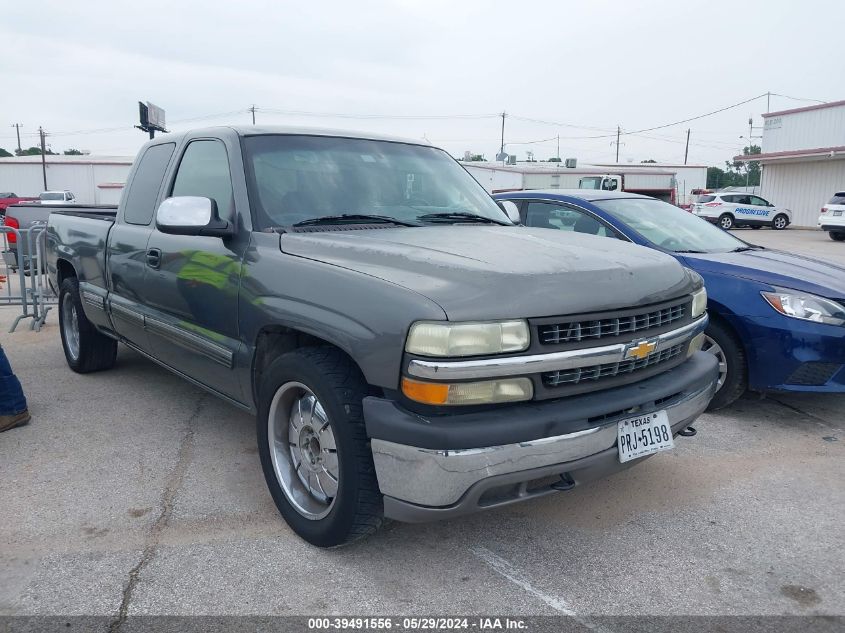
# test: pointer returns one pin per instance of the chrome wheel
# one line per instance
(780, 222)
(70, 326)
(712, 347)
(303, 450)
(726, 222)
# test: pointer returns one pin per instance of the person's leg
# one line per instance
(13, 411)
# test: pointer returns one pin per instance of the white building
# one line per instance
(803, 158)
(646, 178)
(687, 177)
(92, 179)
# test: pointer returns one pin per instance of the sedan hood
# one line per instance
(493, 272)
(777, 269)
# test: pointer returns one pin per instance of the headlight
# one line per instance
(699, 303)
(441, 338)
(802, 305)
(484, 392)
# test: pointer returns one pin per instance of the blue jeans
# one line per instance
(12, 400)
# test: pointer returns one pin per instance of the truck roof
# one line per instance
(262, 130)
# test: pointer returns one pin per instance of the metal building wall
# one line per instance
(810, 129)
(803, 187)
(85, 180)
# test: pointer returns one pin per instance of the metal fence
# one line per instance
(23, 265)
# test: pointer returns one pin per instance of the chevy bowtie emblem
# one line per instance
(641, 350)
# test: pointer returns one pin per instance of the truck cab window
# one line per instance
(141, 196)
(204, 171)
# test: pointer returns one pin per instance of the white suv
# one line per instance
(832, 218)
(730, 209)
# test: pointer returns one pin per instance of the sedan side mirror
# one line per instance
(510, 209)
(192, 215)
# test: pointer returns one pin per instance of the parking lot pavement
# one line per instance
(812, 243)
(132, 492)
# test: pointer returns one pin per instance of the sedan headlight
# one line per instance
(441, 338)
(699, 303)
(805, 306)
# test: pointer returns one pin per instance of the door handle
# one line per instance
(154, 258)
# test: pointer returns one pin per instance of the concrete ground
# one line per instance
(132, 492)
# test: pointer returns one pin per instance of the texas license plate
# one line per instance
(644, 435)
(837, 213)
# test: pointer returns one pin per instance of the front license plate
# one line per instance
(837, 213)
(644, 435)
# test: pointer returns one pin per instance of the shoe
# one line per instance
(11, 421)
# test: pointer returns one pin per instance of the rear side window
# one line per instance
(204, 171)
(838, 198)
(141, 197)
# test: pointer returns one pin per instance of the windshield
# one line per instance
(49, 195)
(299, 178)
(591, 182)
(669, 227)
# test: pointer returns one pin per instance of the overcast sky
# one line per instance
(79, 67)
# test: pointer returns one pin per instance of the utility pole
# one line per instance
(252, 109)
(18, 127)
(768, 97)
(558, 148)
(617, 142)
(618, 133)
(502, 149)
(43, 157)
(686, 151)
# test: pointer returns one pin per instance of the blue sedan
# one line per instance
(777, 321)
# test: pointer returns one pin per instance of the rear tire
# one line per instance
(780, 222)
(321, 475)
(86, 349)
(726, 221)
(733, 371)
(836, 236)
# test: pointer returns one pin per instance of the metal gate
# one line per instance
(24, 266)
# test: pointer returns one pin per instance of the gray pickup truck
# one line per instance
(408, 352)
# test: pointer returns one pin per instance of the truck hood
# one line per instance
(775, 268)
(493, 272)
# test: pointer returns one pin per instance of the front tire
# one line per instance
(86, 349)
(726, 221)
(314, 450)
(780, 222)
(836, 236)
(733, 369)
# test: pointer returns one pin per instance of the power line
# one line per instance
(777, 94)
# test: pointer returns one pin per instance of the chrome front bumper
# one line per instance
(422, 484)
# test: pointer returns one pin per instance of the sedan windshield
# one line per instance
(297, 179)
(670, 227)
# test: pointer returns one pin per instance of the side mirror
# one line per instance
(192, 215)
(510, 209)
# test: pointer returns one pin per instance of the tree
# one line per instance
(72, 152)
(650, 160)
(34, 151)
(5, 153)
(746, 171)
(716, 178)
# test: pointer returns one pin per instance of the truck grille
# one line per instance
(608, 370)
(576, 331)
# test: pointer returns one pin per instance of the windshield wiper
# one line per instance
(353, 218)
(750, 247)
(459, 216)
(689, 251)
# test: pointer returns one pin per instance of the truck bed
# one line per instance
(79, 233)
